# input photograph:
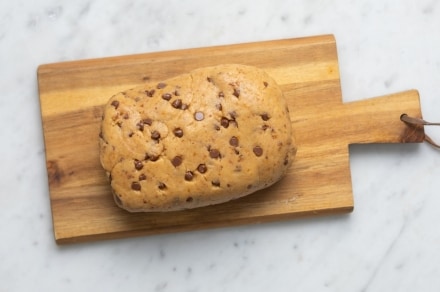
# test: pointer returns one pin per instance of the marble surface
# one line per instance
(390, 243)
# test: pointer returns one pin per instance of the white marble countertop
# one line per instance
(391, 242)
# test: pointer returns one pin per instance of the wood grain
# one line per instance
(72, 95)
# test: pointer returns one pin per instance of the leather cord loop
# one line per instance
(419, 122)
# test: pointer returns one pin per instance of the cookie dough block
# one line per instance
(206, 137)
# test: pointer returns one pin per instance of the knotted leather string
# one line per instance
(419, 122)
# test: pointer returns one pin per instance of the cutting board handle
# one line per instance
(378, 120)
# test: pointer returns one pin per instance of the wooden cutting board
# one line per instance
(72, 95)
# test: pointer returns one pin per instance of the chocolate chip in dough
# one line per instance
(224, 122)
(136, 186)
(236, 92)
(265, 117)
(214, 153)
(202, 168)
(177, 103)
(150, 93)
(140, 126)
(233, 141)
(166, 96)
(215, 183)
(176, 161)
(138, 164)
(147, 121)
(233, 115)
(189, 199)
(115, 104)
(161, 85)
(178, 132)
(155, 135)
(189, 175)
(151, 157)
(265, 84)
(161, 186)
(258, 151)
(142, 177)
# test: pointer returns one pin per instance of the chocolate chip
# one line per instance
(177, 103)
(265, 117)
(147, 121)
(115, 103)
(189, 175)
(189, 199)
(233, 141)
(150, 93)
(140, 126)
(236, 92)
(155, 135)
(215, 183)
(265, 127)
(119, 124)
(176, 93)
(217, 127)
(138, 165)
(166, 96)
(136, 186)
(219, 106)
(152, 157)
(214, 153)
(202, 168)
(161, 186)
(161, 85)
(209, 79)
(221, 94)
(258, 151)
(142, 177)
(199, 116)
(224, 122)
(184, 106)
(265, 84)
(176, 161)
(178, 132)
(126, 116)
(131, 134)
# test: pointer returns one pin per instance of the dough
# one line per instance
(206, 137)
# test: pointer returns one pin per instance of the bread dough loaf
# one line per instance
(206, 137)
